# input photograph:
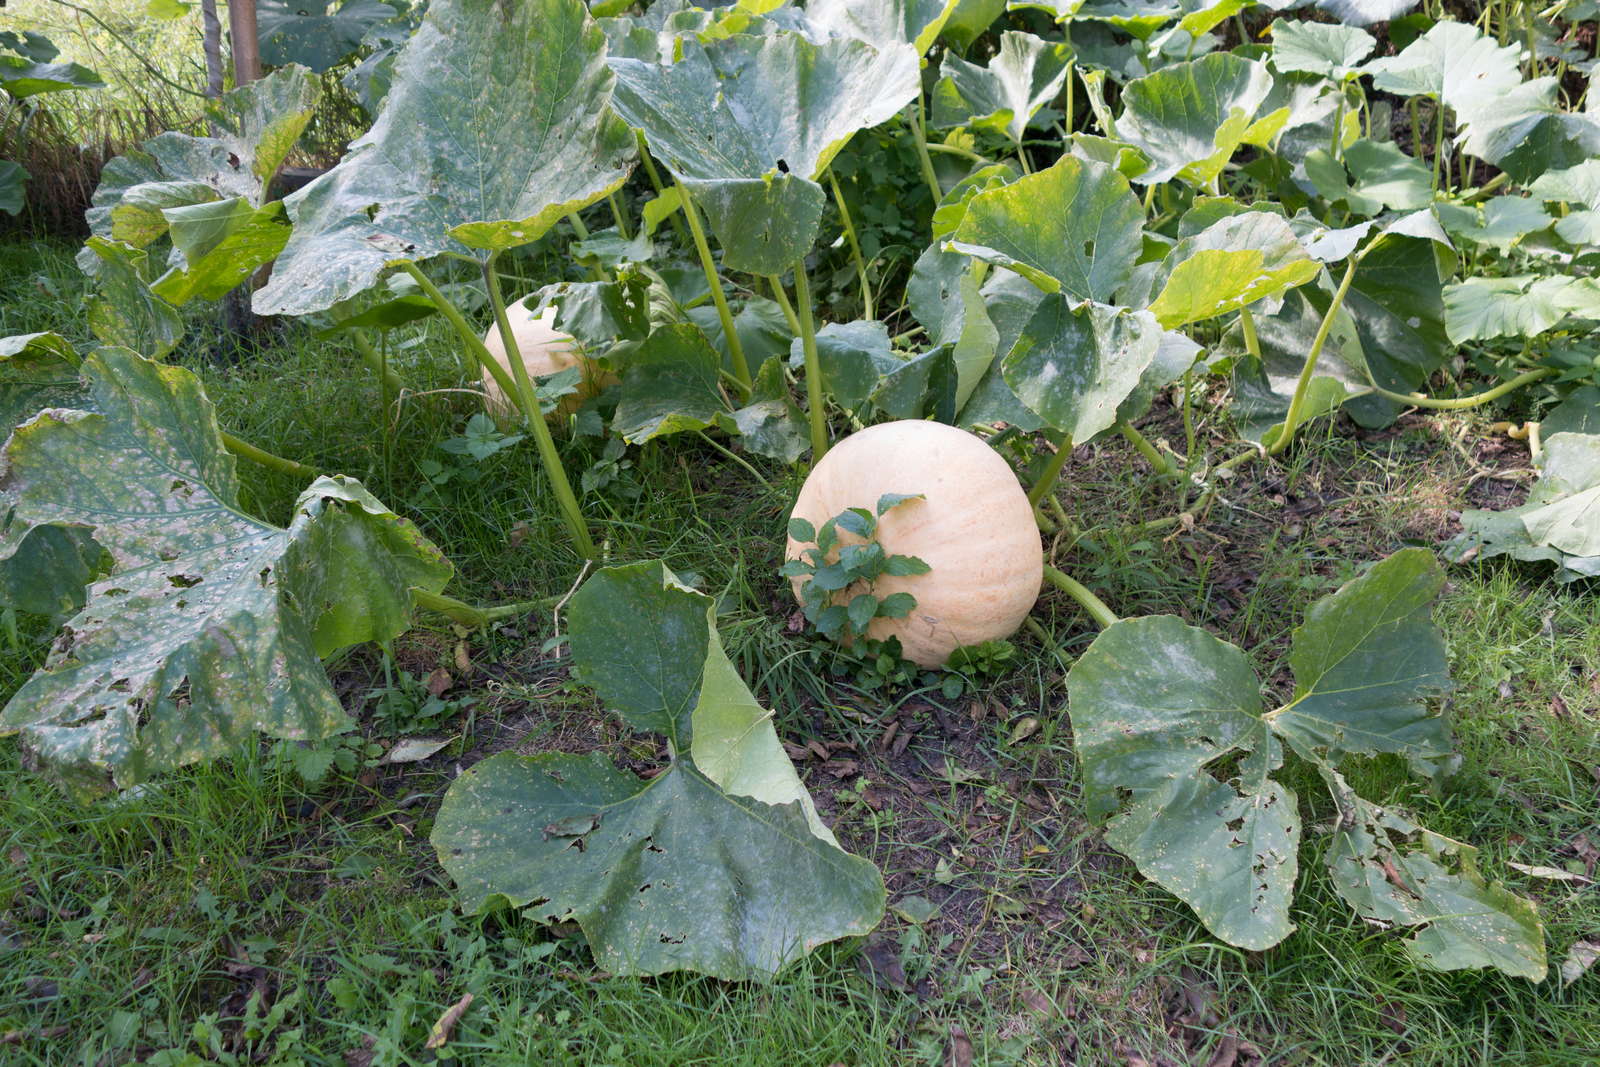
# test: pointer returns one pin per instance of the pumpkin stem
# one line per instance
(1102, 615)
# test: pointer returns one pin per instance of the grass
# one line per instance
(233, 913)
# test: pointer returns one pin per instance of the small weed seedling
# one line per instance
(837, 580)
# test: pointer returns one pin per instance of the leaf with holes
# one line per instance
(718, 863)
(748, 124)
(436, 173)
(210, 623)
(1178, 761)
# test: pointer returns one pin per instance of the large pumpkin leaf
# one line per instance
(439, 171)
(1177, 758)
(1397, 874)
(217, 246)
(1230, 264)
(123, 311)
(1025, 75)
(748, 123)
(1329, 50)
(1190, 118)
(13, 187)
(1454, 62)
(670, 385)
(945, 296)
(1228, 846)
(28, 67)
(883, 22)
(1073, 228)
(211, 623)
(1521, 305)
(1075, 364)
(716, 864)
(316, 33)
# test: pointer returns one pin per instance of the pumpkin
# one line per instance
(545, 350)
(974, 528)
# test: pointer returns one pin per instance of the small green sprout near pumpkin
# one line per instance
(836, 594)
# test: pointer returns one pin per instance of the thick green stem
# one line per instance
(479, 361)
(918, 130)
(1052, 470)
(1097, 609)
(619, 218)
(373, 359)
(1138, 440)
(783, 302)
(246, 450)
(741, 369)
(808, 342)
(529, 402)
(855, 245)
(472, 615)
(1297, 402)
(660, 188)
(1247, 325)
(1462, 403)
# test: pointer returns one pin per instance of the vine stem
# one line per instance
(1247, 325)
(741, 369)
(656, 183)
(919, 131)
(1297, 402)
(369, 355)
(731, 454)
(1052, 471)
(783, 303)
(1146, 449)
(808, 342)
(1096, 608)
(1462, 403)
(855, 245)
(529, 403)
(471, 614)
(246, 450)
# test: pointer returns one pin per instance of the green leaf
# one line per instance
(882, 22)
(858, 521)
(853, 357)
(802, 531)
(862, 609)
(1366, 660)
(1453, 61)
(1523, 305)
(1379, 176)
(123, 310)
(1465, 922)
(889, 501)
(1366, 12)
(1074, 365)
(23, 77)
(1329, 50)
(37, 370)
(945, 294)
(670, 385)
(1073, 227)
(1502, 222)
(898, 605)
(1227, 847)
(210, 624)
(309, 33)
(1229, 265)
(903, 566)
(1560, 521)
(748, 123)
(1025, 75)
(717, 864)
(771, 424)
(439, 173)
(13, 187)
(1189, 118)
(220, 244)
(48, 572)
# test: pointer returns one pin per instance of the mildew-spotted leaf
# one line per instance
(209, 624)
(1075, 363)
(498, 125)
(748, 124)
(1189, 118)
(1024, 76)
(718, 863)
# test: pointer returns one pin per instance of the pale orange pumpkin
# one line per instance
(545, 350)
(974, 529)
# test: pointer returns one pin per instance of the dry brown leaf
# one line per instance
(1582, 956)
(960, 1054)
(447, 1022)
(439, 682)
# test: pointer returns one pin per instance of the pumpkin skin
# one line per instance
(975, 530)
(545, 350)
